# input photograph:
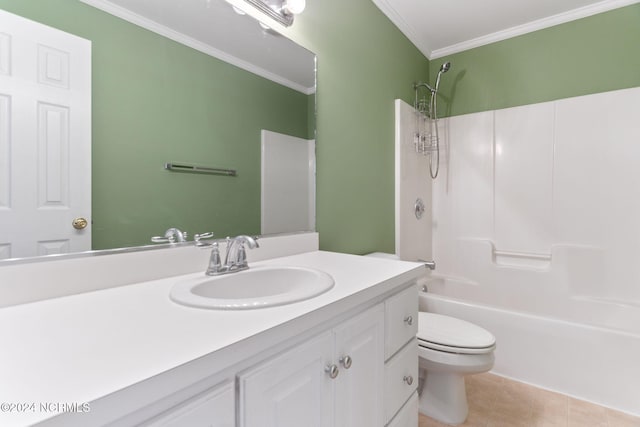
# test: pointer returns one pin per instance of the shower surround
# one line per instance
(536, 235)
(543, 202)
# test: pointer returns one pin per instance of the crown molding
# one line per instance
(148, 24)
(561, 18)
(406, 29)
(530, 27)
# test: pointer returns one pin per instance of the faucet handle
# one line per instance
(215, 264)
(160, 239)
(241, 257)
(203, 236)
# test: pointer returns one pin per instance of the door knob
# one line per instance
(79, 223)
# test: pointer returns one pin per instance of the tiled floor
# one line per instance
(498, 402)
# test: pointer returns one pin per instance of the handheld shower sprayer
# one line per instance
(429, 143)
(443, 69)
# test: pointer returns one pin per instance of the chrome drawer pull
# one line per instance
(408, 379)
(408, 320)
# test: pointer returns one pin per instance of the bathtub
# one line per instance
(588, 348)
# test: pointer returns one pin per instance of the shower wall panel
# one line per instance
(542, 201)
(523, 179)
(463, 192)
(413, 233)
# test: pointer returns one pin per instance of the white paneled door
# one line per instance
(288, 183)
(45, 139)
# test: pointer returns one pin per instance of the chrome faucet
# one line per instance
(431, 265)
(172, 235)
(175, 235)
(235, 258)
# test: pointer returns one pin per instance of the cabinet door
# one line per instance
(359, 385)
(213, 408)
(291, 390)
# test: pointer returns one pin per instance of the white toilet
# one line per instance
(449, 349)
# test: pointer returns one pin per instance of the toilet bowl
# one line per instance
(448, 350)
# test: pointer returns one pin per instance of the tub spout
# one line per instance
(431, 265)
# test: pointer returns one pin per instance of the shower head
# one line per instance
(443, 69)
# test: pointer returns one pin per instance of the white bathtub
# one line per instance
(589, 349)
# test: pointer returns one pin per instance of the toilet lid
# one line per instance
(444, 331)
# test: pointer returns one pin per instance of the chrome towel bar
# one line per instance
(178, 167)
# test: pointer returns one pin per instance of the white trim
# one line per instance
(148, 24)
(561, 18)
(530, 27)
(403, 26)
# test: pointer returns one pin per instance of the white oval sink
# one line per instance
(257, 287)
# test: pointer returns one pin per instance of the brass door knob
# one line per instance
(79, 223)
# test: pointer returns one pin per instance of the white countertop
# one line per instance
(82, 347)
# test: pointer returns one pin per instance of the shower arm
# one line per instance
(421, 84)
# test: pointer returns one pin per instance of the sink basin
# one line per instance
(257, 287)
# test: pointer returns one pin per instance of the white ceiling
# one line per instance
(212, 27)
(443, 27)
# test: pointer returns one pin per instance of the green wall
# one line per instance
(364, 63)
(595, 54)
(155, 101)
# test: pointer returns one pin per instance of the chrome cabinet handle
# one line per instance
(332, 370)
(408, 379)
(408, 320)
(346, 361)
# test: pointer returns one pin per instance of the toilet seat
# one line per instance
(451, 335)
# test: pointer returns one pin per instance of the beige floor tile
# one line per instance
(500, 419)
(424, 421)
(550, 409)
(478, 417)
(549, 423)
(583, 414)
(619, 419)
(498, 402)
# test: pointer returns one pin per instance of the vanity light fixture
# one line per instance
(282, 11)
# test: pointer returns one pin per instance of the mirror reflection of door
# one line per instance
(45, 140)
(288, 166)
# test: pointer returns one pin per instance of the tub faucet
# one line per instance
(431, 265)
(235, 258)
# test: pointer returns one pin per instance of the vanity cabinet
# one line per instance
(401, 357)
(408, 415)
(356, 366)
(334, 379)
(361, 373)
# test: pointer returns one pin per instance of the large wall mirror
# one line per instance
(192, 83)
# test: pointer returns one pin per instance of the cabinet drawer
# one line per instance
(408, 415)
(401, 320)
(400, 378)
